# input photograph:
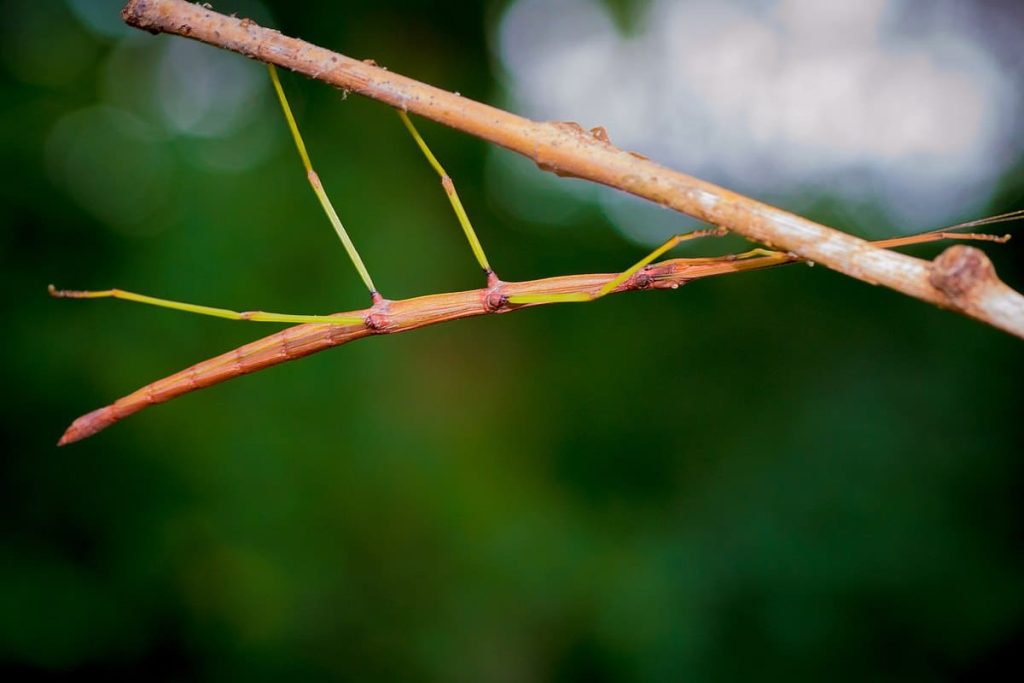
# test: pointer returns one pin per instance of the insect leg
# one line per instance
(255, 316)
(318, 189)
(453, 195)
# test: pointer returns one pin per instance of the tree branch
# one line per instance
(566, 149)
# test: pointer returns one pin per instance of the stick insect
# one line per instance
(314, 333)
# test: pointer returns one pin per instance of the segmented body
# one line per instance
(385, 317)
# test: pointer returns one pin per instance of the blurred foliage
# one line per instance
(776, 474)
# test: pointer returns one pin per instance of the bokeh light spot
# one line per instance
(786, 100)
(113, 165)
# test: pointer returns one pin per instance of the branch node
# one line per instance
(600, 133)
(962, 273)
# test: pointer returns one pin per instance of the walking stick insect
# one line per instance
(317, 332)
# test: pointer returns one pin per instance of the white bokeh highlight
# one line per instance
(786, 100)
(204, 92)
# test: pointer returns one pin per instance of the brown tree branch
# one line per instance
(567, 149)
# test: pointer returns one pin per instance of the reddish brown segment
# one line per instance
(389, 317)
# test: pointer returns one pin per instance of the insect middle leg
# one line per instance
(453, 197)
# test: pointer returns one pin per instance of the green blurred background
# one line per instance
(785, 473)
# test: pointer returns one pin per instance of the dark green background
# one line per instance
(778, 473)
